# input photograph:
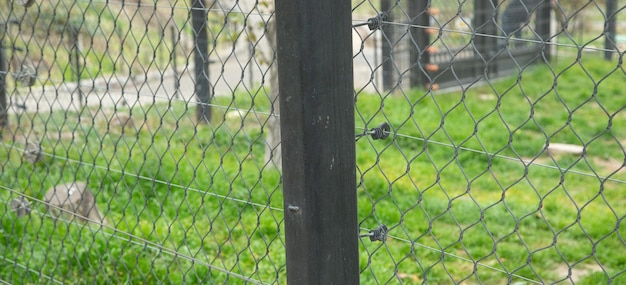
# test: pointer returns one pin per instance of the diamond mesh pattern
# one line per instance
(501, 159)
(505, 160)
(103, 93)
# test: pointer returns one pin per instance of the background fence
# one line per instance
(489, 148)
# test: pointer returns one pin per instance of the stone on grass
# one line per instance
(20, 206)
(562, 148)
(33, 152)
(73, 200)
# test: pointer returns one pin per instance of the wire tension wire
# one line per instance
(377, 234)
(373, 23)
(381, 132)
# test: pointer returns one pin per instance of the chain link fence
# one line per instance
(140, 142)
(108, 173)
(505, 159)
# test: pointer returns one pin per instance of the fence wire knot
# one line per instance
(375, 22)
(377, 234)
(378, 133)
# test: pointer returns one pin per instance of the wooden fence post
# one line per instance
(318, 140)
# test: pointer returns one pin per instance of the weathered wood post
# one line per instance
(318, 140)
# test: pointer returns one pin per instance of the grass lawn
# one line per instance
(201, 192)
(468, 174)
(465, 173)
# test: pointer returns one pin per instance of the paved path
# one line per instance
(228, 73)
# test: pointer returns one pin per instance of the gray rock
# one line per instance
(20, 206)
(33, 152)
(76, 200)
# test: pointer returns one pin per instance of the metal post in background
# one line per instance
(609, 30)
(120, 38)
(77, 65)
(387, 46)
(418, 11)
(4, 71)
(486, 42)
(173, 59)
(199, 19)
(4, 115)
(543, 24)
(377, 39)
(318, 140)
(250, 70)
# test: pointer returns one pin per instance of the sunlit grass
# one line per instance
(199, 191)
(468, 173)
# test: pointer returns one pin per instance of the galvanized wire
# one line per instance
(134, 239)
(225, 215)
(112, 104)
(471, 205)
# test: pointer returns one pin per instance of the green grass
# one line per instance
(181, 186)
(451, 179)
(114, 38)
(456, 177)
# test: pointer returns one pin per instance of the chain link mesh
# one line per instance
(505, 159)
(489, 143)
(107, 177)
